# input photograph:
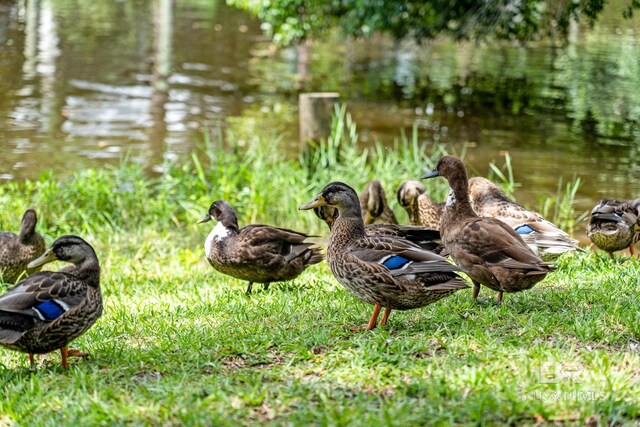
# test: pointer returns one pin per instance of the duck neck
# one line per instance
(27, 232)
(229, 222)
(458, 203)
(347, 226)
(88, 271)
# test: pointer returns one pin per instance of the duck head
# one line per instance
(454, 171)
(372, 201)
(451, 168)
(407, 196)
(222, 212)
(337, 195)
(28, 225)
(72, 249)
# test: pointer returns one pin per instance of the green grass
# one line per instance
(180, 344)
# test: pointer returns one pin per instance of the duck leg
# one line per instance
(266, 286)
(476, 290)
(374, 317)
(30, 356)
(385, 316)
(63, 353)
(499, 300)
(249, 287)
(631, 250)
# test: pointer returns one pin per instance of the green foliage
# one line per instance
(292, 20)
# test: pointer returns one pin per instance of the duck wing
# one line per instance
(400, 257)
(263, 241)
(495, 243)
(42, 297)
(615, 211)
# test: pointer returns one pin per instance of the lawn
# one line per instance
(180, 344)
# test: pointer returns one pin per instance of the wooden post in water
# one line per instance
(316, 110)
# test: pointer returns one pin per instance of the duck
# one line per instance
(488, 250)
(49, 309)
(421, 236)
(374, 206)
(388, 272)
(422, 210)
(256, 253)
(614, 225)
(542, 236)
(16, 251)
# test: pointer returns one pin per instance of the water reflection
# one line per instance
(82, 83)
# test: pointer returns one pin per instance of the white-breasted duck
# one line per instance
(256, 253)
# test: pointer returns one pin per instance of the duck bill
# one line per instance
(207, 218)
(46, 257)
(431, 174)
(315, 203)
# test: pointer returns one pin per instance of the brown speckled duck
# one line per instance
(16, 251)
(421, 236)
(256, 253)
(422, 210)
(487, 249)
(384, 271)
(374, 206)
(615, 225)
(542, 236)
(47, 310)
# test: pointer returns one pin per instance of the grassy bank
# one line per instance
(180, 344)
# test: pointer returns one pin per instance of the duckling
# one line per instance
(542, 236)
(422, 210)
(374, 206)
(16, 251)
(421, 236)
(615, 225)
(256, 253)
(487, 249)
(48, 310)
(388, 272)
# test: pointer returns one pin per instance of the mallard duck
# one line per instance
(542, 236)
(16, 251)
(385, 271)
(256, 253)
(422, 210)
(487, 249)
(615, 225)
(48, 310)
(374, 206)
(421, 236)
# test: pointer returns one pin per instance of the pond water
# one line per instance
(84, 83)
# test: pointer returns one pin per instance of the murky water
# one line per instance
(84, 83)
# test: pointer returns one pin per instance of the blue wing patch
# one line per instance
(524, 229)
(48, 310)
(395, 262)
